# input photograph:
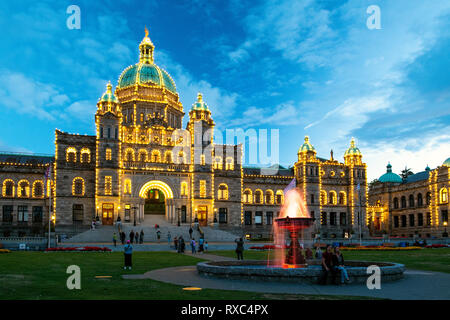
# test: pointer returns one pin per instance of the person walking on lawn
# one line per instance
(240, 248)
(115, 239)
(128, 251)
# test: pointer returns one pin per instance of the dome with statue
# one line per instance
(145, 79)
(389, 176)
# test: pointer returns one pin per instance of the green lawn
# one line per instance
(38, 275)
(424, 259)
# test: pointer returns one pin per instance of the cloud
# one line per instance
(27, 96)
(83, 110)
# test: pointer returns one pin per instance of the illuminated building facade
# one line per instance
(413, 207)
(141, 162)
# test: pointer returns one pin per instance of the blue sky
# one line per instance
(302, 67)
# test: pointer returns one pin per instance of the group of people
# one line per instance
(133, 237)
(332, 263)
(202, 245)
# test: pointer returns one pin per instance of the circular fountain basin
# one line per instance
(259, 270)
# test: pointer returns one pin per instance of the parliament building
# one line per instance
(142, 162)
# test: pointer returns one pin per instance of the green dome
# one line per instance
(353, 150)
(109, 96)
(307, 146)
(145, 73)
(389, 176)
(447, 162)
(199, 104)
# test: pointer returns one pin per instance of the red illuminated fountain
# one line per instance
(294, 218)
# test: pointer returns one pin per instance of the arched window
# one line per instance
(78, 187)
(184, 189)
(8, 188)
(181, 159)
(403, 202)
(269, 196)
(108, 154)
(71, 154)
(127, 186)
(323, 197)
(129, 154)
(247, 196)
(419, 200)
(168, 156)
(217, 163)
(38, 189)
(279, 197)
(333, 197)
(142, 155)
(443, 195)
(85, 155)
(258, 196)
(156, 156)
(229, 163)
(23, 189)
(342, 198)
(223, 192)
(395, 203)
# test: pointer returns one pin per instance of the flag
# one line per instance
(47, 173)
(358, 187)
(290, 186)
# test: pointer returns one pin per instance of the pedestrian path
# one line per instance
(416, 285)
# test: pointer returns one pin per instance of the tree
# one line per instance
(372, 183)
(406, 173)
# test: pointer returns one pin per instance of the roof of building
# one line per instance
(447, 162)
(352, 150)
(306, 146)
(200, 104)
(23, 158)
(282, 171)
(423, 175)
(109, 96)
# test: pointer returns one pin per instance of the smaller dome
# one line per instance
(109, 96)
(307, 146)
(389, 176)
(353, 150)
(447, 162)
(199, 104)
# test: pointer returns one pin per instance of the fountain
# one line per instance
(294, 218)
(289, 263)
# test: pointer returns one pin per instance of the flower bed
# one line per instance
(436, 246)
(5, 251)
(78, 249)
(268, 247)
(379, 248)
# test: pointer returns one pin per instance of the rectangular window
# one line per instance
(127, 212)
(7, 213)
(269, 218)
(411, 220)
(109, 132)
(223, 215)
(22, 213)
(37, 214)
(258, 218)
(323, 218)
(202, 188)
(420, 219)
(115, 133)
(247, 218)
(403, 221)
(396, 222)
(183, 214)
(444, 216)
(108, 185)
(332, 218)
(108, 154)
(343, 219)
(77, 212)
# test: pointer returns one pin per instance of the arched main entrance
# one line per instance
(158, 199)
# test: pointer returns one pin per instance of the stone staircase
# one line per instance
(104, 234)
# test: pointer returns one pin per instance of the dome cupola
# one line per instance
(447, 162)
(389, 176)
(306, 151)
(353, 155)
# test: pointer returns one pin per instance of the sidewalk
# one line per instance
(416, 285)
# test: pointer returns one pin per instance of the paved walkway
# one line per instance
(416, 285)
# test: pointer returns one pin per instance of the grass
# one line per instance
(38, 275)
(425, 259)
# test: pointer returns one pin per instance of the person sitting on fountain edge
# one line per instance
(338, 265)
(327, 265)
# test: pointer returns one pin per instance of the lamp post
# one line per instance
(97, 213)
(215, 217)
